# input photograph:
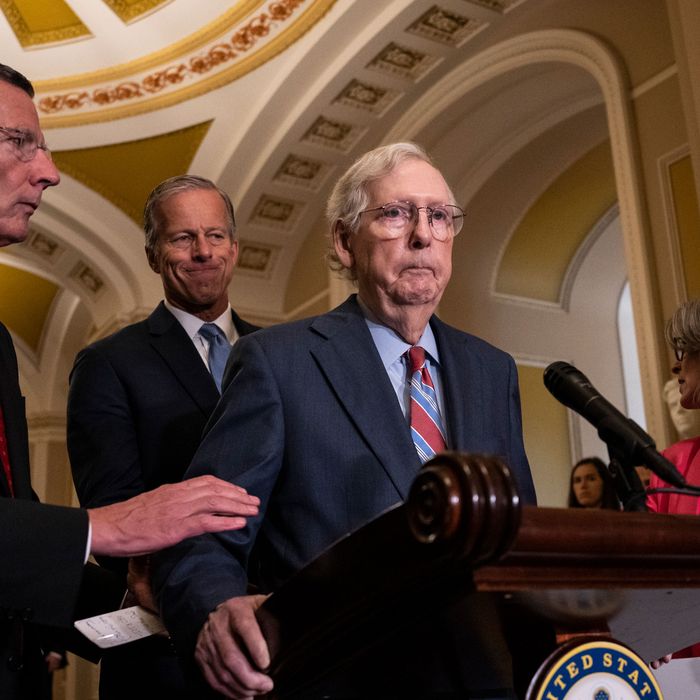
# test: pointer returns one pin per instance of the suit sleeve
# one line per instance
(101, 436)
(243, 444)
(43, 549)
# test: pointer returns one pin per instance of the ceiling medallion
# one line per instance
(445, 27)
(222, 60)
(257, 259)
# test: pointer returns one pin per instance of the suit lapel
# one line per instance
(463, 384)
(352, 366)
(243, 327)
(169, 339)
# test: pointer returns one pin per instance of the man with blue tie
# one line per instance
(139, 399)
(328, 421)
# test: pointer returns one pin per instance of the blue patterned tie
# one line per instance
(219, 349)
(426, 425)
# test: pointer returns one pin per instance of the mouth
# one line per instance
(418, 269)
(201, 270)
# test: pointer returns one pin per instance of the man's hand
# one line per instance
(231, 650)
(162, 517)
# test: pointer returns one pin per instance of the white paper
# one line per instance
(120, 626)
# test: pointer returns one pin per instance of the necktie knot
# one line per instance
(416, 356)
(219, 349)
(212, 333)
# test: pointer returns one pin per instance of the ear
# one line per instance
(235, 250)
(342, 244)
(152, 260)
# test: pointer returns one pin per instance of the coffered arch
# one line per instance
(517, 56)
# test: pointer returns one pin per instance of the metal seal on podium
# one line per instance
(595, 669)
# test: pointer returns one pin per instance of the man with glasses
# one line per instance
(329, 419)
(43, 548)
(139, 399)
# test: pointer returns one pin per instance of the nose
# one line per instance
(422, 235)
(201, 248)
(44, 171)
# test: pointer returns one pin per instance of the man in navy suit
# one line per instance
(140, 398)
(315, 419)
(43, 548)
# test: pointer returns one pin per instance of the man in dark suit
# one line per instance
(43, 548)
(317, 418)
(139, 399)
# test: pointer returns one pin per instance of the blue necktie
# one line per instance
(219, 349)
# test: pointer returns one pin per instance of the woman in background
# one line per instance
(591, 486)
(683, 335)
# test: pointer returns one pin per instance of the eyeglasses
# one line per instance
(25, 142)
(398, 217)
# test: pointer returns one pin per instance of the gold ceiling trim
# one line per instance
(172, 52)
(128, 11)
(163, 87)
(29, 37)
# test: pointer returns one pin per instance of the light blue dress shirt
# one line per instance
(392, 349)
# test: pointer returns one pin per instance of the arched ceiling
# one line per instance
(272, 99)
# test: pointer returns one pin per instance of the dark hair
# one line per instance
(13, 77)
(609, 498)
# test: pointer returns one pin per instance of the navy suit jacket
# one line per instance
(310, 423)
(137, 405)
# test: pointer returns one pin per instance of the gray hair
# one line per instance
(683, 328)
(176, 185)
(350, 195)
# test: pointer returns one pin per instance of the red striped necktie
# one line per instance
(4, 454)
(426, 425)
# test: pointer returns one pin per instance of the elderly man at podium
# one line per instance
(328, 421)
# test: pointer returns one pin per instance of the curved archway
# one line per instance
(575, 48)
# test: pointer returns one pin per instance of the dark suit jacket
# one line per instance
(42, 547)
(137, 405)
(309, 422)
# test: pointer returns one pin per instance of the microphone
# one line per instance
(572, 388)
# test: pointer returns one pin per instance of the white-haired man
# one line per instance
(329, 419)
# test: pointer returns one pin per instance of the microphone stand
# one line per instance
(628, 485)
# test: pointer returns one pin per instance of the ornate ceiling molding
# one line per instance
(216, 55)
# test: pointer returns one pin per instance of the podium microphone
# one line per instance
(572, 388)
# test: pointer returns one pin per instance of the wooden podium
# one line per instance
(463, 531)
